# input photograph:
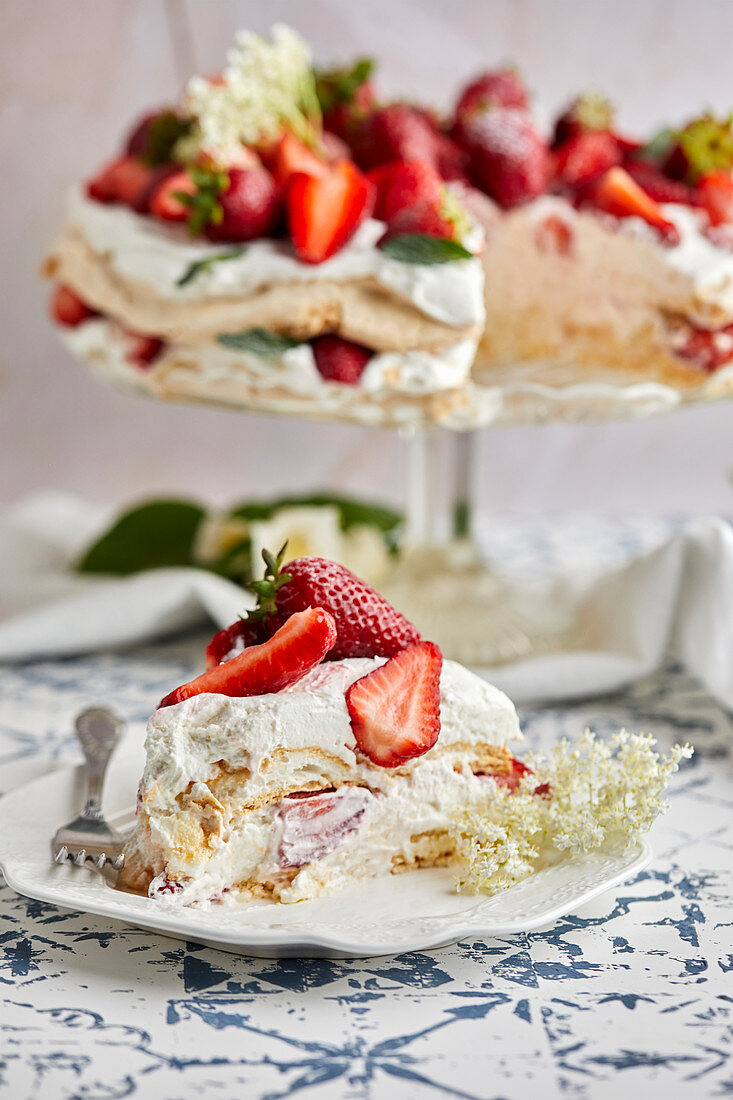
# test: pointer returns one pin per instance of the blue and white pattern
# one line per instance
(631, 997)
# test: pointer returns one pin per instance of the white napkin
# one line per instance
(676, 600)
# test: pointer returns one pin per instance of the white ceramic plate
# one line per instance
(409, 912)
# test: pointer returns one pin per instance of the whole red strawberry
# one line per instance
(345, 95)
(496, 88)
(403, 184)
(658, 186)
(250, 206)
(587, 113)
(585, 157)
(425, 218)
(340, 360)
(366, 624)
(509, 158)
(397, 132)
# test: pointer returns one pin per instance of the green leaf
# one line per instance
(259, 341)
(421, 248)
(150, 536)
(658, 146)
(198, 266)
(335, 86)
(164, 133)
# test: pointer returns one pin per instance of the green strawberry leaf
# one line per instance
(164, 133)
(421, 248)
(150, 536)
(259, 341)
(199, 266)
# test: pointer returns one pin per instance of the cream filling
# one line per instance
(149, 251)
(102, 343)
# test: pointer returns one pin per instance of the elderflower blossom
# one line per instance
(265, 87)
(600, 793)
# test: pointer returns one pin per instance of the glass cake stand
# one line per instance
(440, 579)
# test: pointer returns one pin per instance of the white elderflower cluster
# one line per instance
(595, 793)
(265, 87)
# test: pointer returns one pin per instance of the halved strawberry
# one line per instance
(325, 211)
(233, 639)
(292, 156)
(715, 193)
(163, 202)
(340, 360)
(618, 194)
(67, 308)
(404, 183)
(292, 651)
(395, 710)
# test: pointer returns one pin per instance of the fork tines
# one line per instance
(79, 856)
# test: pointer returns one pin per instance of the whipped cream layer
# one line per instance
(708, 265)
(152, 252)
(102, 343)
(301, 727)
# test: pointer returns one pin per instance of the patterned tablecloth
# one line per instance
(631, 997)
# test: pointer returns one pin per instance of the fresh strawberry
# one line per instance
(585, 157)
(127, 180)
(324, 212)
(292, 651)
(163, 202)
(496, 88)
(515, 776)
(67, 308)
(424, 217)
(367, 625)
(509, 158)
(250, 206)
(554, 234)
(451, 159)
(397, 132)
(395, 710)
(403, 184)
(233, 639)
(345, 95)
(334, 147)
(715, 193)
(142, 350)
(291, 156)
(618, 194)
(588, 113)
(706, 349)
(703, 146)
(154, 136)
(658, 186)
(340, 360)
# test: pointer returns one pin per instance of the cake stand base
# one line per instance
(441, 581)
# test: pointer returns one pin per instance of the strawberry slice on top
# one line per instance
(618, 194)
(395, 710)
(292, 651)
(325, 211)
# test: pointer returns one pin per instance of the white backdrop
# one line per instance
(74, 74)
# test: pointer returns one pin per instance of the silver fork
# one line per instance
(88, 836)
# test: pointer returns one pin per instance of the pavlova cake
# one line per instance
(235, 253)
(325, 743)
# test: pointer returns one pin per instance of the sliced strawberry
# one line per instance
(142, 350)
(313, 823)
(292, 651)
(618, 194)
(163, 202)
(715, 193)
(585, 157)
(658, 186)
(293, 156)
(67, 308)
(340, 360)
(324, 212)
(233, 639)
(706, 349)
(250, 206)
(403, 184)
(515, 776)
(125, 180)
(395, 710)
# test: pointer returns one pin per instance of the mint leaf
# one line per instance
(198, 266)
(153, 535)
(421, 248)
(259, 341)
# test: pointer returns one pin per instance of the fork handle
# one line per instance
(99, 731)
